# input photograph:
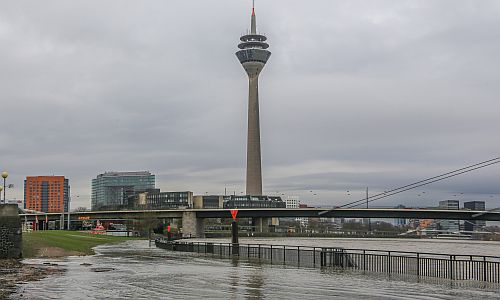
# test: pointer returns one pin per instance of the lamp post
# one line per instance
(4, 176)
(1, 188)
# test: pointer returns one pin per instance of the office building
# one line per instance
(110, 190)
(208, 201)
(155, 199)
(474, 225)
(253, 57)
(449, 225)
(292, 201)
(247, 201)
(46, 193)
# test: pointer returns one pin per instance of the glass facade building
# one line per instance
(247, 201)
(110, 190)
(208, 201)
(154, 199)
(474, 225)
(449, 225)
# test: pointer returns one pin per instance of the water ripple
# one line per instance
(141, 272)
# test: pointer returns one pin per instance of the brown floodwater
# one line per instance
(133, 270)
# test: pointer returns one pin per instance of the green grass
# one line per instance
(67, 240)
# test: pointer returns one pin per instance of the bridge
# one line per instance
(193, 219)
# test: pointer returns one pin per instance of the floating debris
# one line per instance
(98, 270)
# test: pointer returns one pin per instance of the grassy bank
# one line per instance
(52, 243)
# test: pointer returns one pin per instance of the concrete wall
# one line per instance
(10, 232)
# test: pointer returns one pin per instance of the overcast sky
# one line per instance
(356, 94)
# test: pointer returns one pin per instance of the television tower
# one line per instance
(253, 57)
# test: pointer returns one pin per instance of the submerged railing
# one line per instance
(453, 267)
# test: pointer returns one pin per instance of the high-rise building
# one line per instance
(253, 57)
(449, 225)
(110, 190)
(474, 225)
(46, 193)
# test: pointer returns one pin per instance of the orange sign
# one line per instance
(83, 218)
(234, 212)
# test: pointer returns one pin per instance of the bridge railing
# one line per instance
(420, 264)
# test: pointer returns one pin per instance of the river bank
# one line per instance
(48, 244)
(59, 243)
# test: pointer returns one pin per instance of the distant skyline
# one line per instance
(358, 94)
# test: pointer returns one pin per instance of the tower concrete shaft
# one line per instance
(253, 57)
(254, 172)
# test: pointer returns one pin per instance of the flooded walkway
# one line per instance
(133, 270)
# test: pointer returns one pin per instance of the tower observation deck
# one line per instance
(253, 57)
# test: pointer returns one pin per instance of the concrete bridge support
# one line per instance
(10, 232)
(192, 226)
(261, 224)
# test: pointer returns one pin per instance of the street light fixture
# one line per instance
(4, 176)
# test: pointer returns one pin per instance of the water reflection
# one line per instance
(255, 283)
(234, 275)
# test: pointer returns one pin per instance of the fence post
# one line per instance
(321, 257)
(314, 257)
(418, 264)
(271, 253)
(259, 251)
(389, 263)
(451, 267)
(284, 254)
(298, 255)
(364, 260)
(484, 268)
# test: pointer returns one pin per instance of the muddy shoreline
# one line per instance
(14, 273)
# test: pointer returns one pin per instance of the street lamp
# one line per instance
(1, 188)
(4, 176)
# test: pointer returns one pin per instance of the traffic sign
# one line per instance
(234, 212)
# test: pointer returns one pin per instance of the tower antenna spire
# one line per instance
(253, 26)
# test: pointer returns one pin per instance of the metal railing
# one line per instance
(453, 267)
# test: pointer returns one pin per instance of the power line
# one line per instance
(423, 182)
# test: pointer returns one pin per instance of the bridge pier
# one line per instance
(192, 226)
(261, 224)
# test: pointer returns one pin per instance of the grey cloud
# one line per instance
(407, 87)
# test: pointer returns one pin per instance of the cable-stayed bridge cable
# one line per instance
(422, 182)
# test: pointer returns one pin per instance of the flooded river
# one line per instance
(133, 270)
